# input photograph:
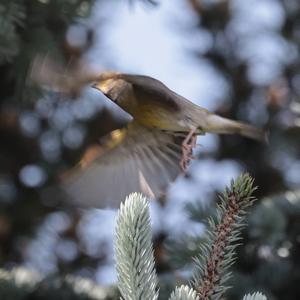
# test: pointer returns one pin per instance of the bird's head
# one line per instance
(106, 82)
(116, 87)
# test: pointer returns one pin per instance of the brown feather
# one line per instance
(144, 161)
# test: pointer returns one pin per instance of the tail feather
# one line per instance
(217, 124)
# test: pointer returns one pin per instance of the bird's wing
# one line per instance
(56, 76)
(143, 160)
(150, 90)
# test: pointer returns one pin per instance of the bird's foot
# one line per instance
(187, 150)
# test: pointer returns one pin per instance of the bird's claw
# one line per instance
(187, 150)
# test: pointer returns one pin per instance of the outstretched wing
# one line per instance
(136, 159)
(56, 76)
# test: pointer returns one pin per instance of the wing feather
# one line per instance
(144, 160)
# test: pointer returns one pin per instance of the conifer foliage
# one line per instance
(218, 252)
(134, 254)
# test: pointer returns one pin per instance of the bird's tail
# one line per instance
(217, 124)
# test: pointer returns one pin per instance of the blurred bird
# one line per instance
(152, 149)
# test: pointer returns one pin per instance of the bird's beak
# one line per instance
(99, 85)
(104, 85)
(95, 86)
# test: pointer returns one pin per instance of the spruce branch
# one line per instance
(13, 12)
(12, 17)
(218, 252)
(184, 293)
(255, 296)
(134, 251)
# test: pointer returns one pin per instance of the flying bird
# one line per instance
(152, 150)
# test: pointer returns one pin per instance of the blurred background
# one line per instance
(237, 58)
